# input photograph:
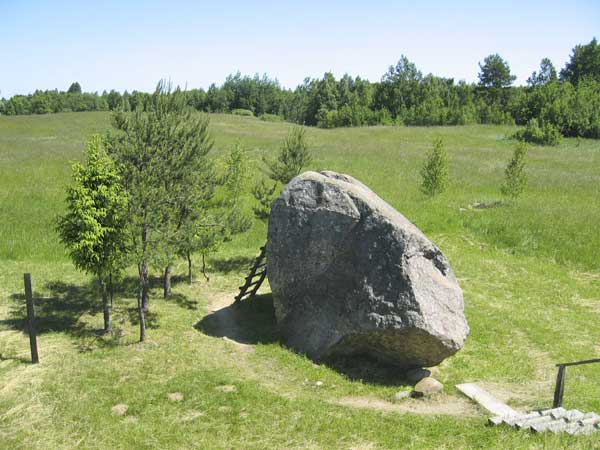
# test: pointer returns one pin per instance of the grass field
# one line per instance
(530, 272)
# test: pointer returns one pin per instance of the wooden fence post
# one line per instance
(31, 319)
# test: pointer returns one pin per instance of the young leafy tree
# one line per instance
(435, 170)
(515, 177)
(93, 227)
(162, 154)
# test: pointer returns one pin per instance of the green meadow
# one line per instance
(529, 269)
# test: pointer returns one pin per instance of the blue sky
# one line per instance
(132, 44)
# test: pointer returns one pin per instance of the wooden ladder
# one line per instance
(257, 275)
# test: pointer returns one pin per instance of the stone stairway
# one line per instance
(556, 420)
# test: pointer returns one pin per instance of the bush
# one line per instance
(435, 170)
(515, 178)
(546, 134)
(271, 118)
(242, 112)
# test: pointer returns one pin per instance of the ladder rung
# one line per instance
(246, 286)
(253, 275)
(257, 266)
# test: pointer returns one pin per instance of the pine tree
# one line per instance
(515, 177)
(435, 170)
(293, 156)
(162, 153)
(264, 192)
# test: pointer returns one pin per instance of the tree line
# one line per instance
(566, 103)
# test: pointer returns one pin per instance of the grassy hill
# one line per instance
(530, 272)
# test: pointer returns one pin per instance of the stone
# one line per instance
(227, 388)
(350, 275)
(175, 396)
(427, 387)
(399, 396)
(416, 375)
(120, 409)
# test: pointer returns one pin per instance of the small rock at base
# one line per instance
(416, 375)
(398, 396)
(120, 409)
(426, 387)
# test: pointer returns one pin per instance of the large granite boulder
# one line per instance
(351, 275)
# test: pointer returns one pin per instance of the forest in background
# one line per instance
(553, 103)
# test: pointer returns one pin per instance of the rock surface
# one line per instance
(426, 387)
(351, 275)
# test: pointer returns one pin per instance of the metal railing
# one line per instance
(560, 379)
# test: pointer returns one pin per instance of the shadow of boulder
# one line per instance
(368, 370)
(249, 322)
(253, 322)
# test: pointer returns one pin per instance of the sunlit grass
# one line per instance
(529, 271)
